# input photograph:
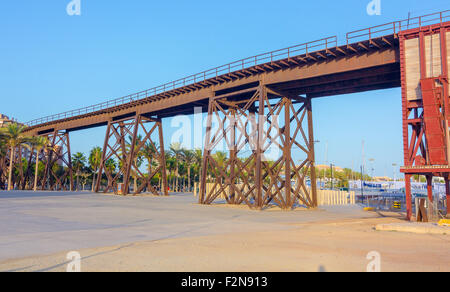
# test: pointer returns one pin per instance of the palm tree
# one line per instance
(189, 160)
(137, 158)
(170, 165)
(38, 143)
(198, 157)
(95, 158)
(14, 137)
(78, 162)
(221, 158)
(110, 165)
(148, 152)
(177, 152)
(3, 153)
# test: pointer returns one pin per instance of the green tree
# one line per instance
(221, 158)
(170, 165)
(198, 157)
(38, 143)
(95, 158)
(3, 153)
(111, 165)
(78, 163)
(85, 174)
(177, 152)
(14, 136)
(189, 160)
(149, 152)
(138, 158)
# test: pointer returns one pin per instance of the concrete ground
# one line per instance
(175, 234)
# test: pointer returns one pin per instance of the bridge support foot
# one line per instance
(58, 174)
(265, 134)
(132, 157)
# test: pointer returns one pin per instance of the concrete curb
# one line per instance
(419, 228)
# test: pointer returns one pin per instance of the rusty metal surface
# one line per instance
(331, 71)
(125, 152)
(58, 173)
(254, 179)
(425, 120)
(358, 42)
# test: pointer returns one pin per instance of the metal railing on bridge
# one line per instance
(397, 26)
(286, 53)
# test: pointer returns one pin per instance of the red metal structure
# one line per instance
(117, 148)
(424, 53)
(58, 173)
(270, 84)
(254, 180)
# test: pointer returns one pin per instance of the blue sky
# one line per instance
(51, 62)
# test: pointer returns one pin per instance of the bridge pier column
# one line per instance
(430, 187)
(58, 163)
(311, 154)
(260, 150)
(447, 194)
(408, 197)
(129, 145)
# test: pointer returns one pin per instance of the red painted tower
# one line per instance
(425, 58)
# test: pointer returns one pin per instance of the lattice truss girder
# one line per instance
(57, 158)
(141, 132)
(264, 177)
(416, 137)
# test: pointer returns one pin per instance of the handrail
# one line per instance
(286, 53)
(398, 26)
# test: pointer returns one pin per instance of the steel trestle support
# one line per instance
(142, 132)
(58, 174)
(271, 132)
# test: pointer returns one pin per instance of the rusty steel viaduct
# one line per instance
(413, 54)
